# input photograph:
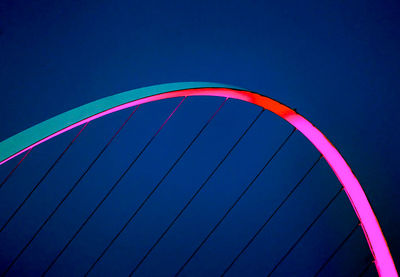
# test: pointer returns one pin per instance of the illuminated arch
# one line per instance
(46, 130)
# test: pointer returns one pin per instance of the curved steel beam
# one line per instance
(46, 130)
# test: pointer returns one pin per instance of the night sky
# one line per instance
(336, 62)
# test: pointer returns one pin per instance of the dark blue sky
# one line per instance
(337, 62)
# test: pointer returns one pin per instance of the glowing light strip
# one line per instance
(373, 233)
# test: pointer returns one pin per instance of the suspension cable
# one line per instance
(41, 179)
(236, 202)
(306, 231)
(338, 248)
(15, 168)
(67, 195)
(271, 216)
(154, 189)
(195, 194)
(366, 268)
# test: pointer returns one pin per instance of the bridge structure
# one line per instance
(22, 143)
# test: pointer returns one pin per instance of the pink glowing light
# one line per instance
(373, 233)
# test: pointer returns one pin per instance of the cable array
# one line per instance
(41, 179)
(195, 194)
(305, 231)
(111, 189)
(153, 190)
(235, 202)
(65, 196)
(271, 216)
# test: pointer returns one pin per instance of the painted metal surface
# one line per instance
(46, 130)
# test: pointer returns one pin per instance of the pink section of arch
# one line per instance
(373, 233)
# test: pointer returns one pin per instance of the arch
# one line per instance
(59, 124)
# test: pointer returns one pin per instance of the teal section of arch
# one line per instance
(28, 137)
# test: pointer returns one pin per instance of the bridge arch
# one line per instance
(59, 124)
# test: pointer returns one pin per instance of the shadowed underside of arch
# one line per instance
(46, 130)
